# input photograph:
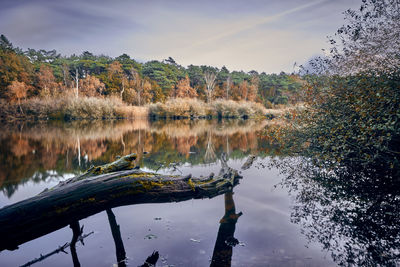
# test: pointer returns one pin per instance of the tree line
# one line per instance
(46, 74)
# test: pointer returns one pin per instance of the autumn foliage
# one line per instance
(49, 75)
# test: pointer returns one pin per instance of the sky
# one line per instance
(263, 35)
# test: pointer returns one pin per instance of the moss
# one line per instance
(140, 175)
(191, 184)
(124, 163)
(61, 210)
(194, 183)
(151, 184)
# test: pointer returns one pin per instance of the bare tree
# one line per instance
(370, 39)
(123, 81)
(228, 86)
(210, 77)
(75, 76)
(139, 83)
(65, 70)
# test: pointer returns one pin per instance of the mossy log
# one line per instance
(100, 188)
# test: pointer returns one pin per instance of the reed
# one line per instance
(179, 108)
(70, 108)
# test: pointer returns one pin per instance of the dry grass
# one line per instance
(91, 108)
(70, 108)
(192, 108)
(132, 112)
(178, 108)
(284, 112)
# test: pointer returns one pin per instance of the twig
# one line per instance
(58, 250)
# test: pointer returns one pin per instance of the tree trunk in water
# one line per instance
(222, 254)
(76, 233)
(116, 233)
(100, 188)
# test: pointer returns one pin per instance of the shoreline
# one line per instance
(100, 109)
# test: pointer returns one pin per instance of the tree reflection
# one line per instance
(76, 233)
(47, 150)
(116, 233)
(222, 254)
(209, 155)
(355, 216)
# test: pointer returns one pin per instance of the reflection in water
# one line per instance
(46, 151)
(116, 233)
(54, 221)
(42, 152)
(222, 254)
(209, 155)
(355, 217)
(76, 233)
(151, 260)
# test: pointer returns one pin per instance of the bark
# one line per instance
(228, 86)
(123, 88)
(210, 77)
(100, 188)
(76, 78)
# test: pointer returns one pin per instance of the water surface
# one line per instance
(189, 233)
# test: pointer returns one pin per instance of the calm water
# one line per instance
(189, 233)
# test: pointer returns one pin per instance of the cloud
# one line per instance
(242, 34)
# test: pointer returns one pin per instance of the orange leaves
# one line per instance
(183, 89)
(115, 68)
(91, 86)
(17, 90)
(46, 82)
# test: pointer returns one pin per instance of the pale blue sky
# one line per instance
(267, 35)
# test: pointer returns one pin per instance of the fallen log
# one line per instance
(100, 188)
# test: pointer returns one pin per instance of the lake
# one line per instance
(188, 233)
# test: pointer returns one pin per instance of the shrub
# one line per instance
(70, 108)
(193, 108)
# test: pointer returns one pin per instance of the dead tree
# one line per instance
(228, 86)
(75, 76)
(210, 77)
(101, 188)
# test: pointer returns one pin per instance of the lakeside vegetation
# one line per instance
(43, 84)
(183, 108)
(351, 114)
(345, 143)
(92, 108)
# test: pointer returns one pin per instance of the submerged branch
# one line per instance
(58, 250)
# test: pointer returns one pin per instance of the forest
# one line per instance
(39, 74)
